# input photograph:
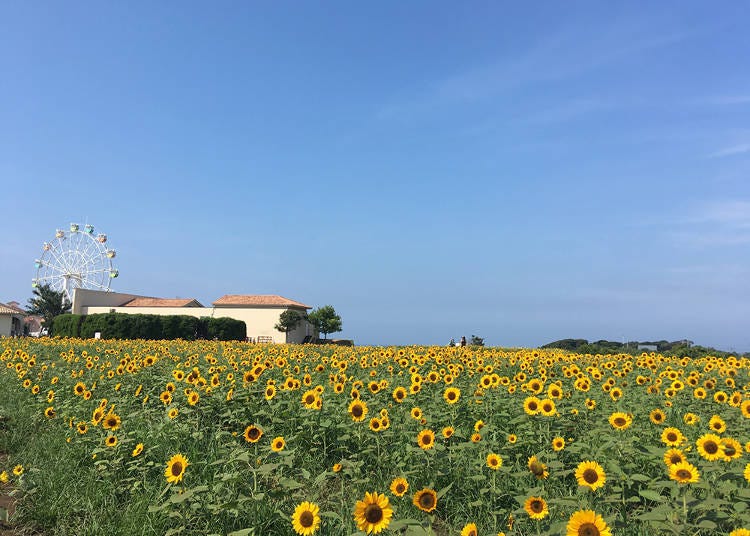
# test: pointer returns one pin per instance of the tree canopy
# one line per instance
(325, 320)
(289, 320)
(48, 303)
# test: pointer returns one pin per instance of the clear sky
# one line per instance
(524, 172)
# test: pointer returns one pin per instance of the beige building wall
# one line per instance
(259, 321)
(5, 325)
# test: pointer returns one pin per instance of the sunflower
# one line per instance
(683, 472)
(745, 408)
(376, 425)
(691, 419)
(309, 399)
(426, 439)
(399, 394)
(166, 397)
(657, 416)
(476, 437)
(531, 405)
(512, 438)
(111, 441)
(478, 425)
(590, 403)
(176, 468)
(709, 446)
(358, 410)
(336, 467)
(537, 468)
(591, 475)
(587, 523)
(278, 444)
(558, 444)
(731, 449)
(740, 532)
(399, 486)
(82, 428)
(137, 450)
(416, 413)
(425, 499)
(305, 519)
(49, 412)
(373, 513)
(97, 416)
(620, 420)
(78, 389)
(674, 456)
(746, 473)
(111, 422)
(18, 470)
(172, 413)
(547, 407)
(448, 431)
(470, 529)
(4, 477)
(717, 425)
(536, 507)
(451, 395)
(672, 437)
(252, 433)
(494, 461)
(193, 398)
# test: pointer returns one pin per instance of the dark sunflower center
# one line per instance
(451, 396)
(400, 488)
(176, 469)
(588, 529)
(547, 408)
(684, 474)
(711, 447)
(590, 476)
(306, 519)
(376, 424)
(729, 450)
(373, 513)
(536, 506)
(357, 411)
(309, 399)
(675, 459)
(426, 500)
(533, 406)
(253, 433)
(426, 439)
(620, 421)
(671, 436)
(399, 395)
(537, 468)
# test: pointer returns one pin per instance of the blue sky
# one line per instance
(521, 172)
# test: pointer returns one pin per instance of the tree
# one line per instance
(48, 303)
(476, 341)
(325, 320)
(289, 320)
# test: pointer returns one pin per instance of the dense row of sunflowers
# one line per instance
(417, 439)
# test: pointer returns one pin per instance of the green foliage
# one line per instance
(325, 320)
(48, 303)
(476, 341)
(150, 327)
(67, 325)
(289, 320)
(226, 329)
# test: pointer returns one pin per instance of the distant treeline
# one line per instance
(673, 348)
(150, 327)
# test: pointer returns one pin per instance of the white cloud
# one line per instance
(731, 150)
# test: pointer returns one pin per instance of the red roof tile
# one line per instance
(268, 300)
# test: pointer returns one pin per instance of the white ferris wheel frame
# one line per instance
(76, 258)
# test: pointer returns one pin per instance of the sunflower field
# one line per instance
(175, 437)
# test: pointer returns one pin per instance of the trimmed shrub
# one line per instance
(66, 325)
(226, 329)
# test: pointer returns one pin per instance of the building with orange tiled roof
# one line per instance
(260, 312)
(11, 320)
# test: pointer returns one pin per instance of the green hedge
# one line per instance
(151, 327)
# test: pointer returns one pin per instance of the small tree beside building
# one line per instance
(289, 320)
(325, 320)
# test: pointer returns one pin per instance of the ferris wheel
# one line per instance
(77, 258)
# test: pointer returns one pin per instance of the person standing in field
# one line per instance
(463, 341)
